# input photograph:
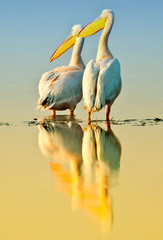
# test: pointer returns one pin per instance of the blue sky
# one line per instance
(32, 30)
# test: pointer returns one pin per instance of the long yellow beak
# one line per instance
(67, 43)
(93, 27)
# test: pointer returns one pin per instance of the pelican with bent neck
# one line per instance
(61, 88)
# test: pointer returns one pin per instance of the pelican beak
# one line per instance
(93, 27)
(67, 43)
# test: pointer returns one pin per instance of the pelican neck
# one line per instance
(103, 50)
(76, 59)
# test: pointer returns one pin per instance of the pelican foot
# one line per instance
(71, 112)
(89, 118)
(108, 125)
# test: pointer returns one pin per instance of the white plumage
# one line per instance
(90, 84)
(61, 88)
(101, 83)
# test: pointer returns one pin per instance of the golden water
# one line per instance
(65, 180)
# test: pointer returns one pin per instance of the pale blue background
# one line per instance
(32, 30)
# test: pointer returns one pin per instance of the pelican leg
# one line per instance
(53, 113)
(108, 112)
(108, 125)
(89, 117)
(71, 112)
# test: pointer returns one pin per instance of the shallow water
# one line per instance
(63, 179)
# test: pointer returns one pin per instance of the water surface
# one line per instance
(64, 179)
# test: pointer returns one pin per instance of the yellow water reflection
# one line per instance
(84, 164)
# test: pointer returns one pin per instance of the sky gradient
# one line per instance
(32, 30)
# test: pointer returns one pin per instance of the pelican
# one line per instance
(61, 88)
(102, 79)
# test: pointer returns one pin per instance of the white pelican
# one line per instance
(61, 88)
(102, 78)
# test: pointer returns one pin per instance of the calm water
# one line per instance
(62, 179)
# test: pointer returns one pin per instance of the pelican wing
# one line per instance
(108, 84)
(60, 86)
(89, 84)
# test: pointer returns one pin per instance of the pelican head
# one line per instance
(97, 24)
(67, 43)
(76, 29)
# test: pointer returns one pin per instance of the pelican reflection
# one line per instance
(84, 165)
(63, 142)
(101, 152)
